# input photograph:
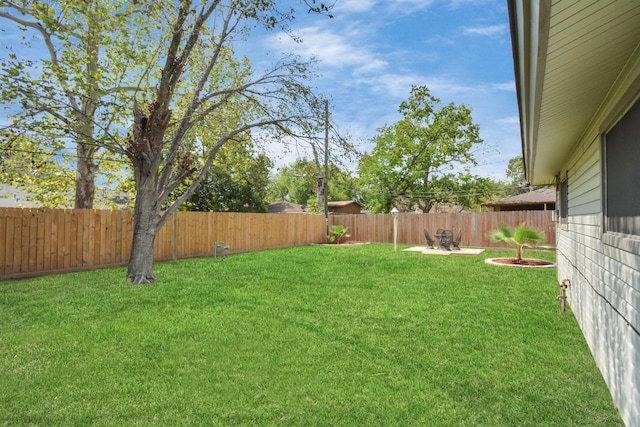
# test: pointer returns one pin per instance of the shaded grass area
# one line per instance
(352, 335)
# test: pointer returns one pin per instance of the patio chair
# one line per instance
(430, 241)
(444, 239)
(456, 241)
(438, 235)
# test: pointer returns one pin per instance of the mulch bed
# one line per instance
(525, 262)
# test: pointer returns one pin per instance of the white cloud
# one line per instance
(485, 31)
(512, 120)
(392, 85)
(415, 4)
(440, 40)
(440, 86)
(331, 49)
(507, 86)
(398, 86)
(355, 5)
(406, 6)
(455, 4)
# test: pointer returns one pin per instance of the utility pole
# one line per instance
(326, 168)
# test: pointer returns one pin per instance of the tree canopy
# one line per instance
(515, 177)
(412, 162)
(297, 183)
(72, 101)
(237, 181)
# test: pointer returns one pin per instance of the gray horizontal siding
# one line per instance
(584, 181)
(605, 281)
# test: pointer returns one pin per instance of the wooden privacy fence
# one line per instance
(44, 241)
(475, 226)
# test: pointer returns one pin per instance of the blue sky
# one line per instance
(372, 51)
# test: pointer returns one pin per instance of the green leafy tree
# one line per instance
(97, 57)
(515, 177)
(47, 175)
(50, 179)
(236, 182)
(297, 183)
(161, 151)
(344, 186)
(411, 157)
(460, 191)
(313, 208)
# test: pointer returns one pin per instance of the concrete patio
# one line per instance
(428, 251)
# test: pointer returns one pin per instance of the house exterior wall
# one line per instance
(605, 278)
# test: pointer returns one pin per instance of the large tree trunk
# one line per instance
(145, 153)
(426, 208)
(320, 192)
(85, 178)
(85, 147)
(146, 218)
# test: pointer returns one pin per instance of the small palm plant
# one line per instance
(520, 238)
(338, 233)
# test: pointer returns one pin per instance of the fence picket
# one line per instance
(3, 238)
(24, 241)
(40, 242)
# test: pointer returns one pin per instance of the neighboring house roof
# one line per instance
(343, 203)
(567, 56)
(11, 197)
(540, 196)
(285, 207)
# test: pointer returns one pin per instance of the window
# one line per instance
(621, 150)
(564, 201)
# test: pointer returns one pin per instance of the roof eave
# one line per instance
(529, 23)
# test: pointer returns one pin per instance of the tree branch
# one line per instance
(205, 168)
(46, 36)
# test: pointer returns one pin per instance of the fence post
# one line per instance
(175, 235)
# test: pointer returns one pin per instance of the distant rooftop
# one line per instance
(343, 203)
(285, 207)
(540, 196)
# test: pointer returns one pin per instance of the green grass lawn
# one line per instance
(326, 336)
